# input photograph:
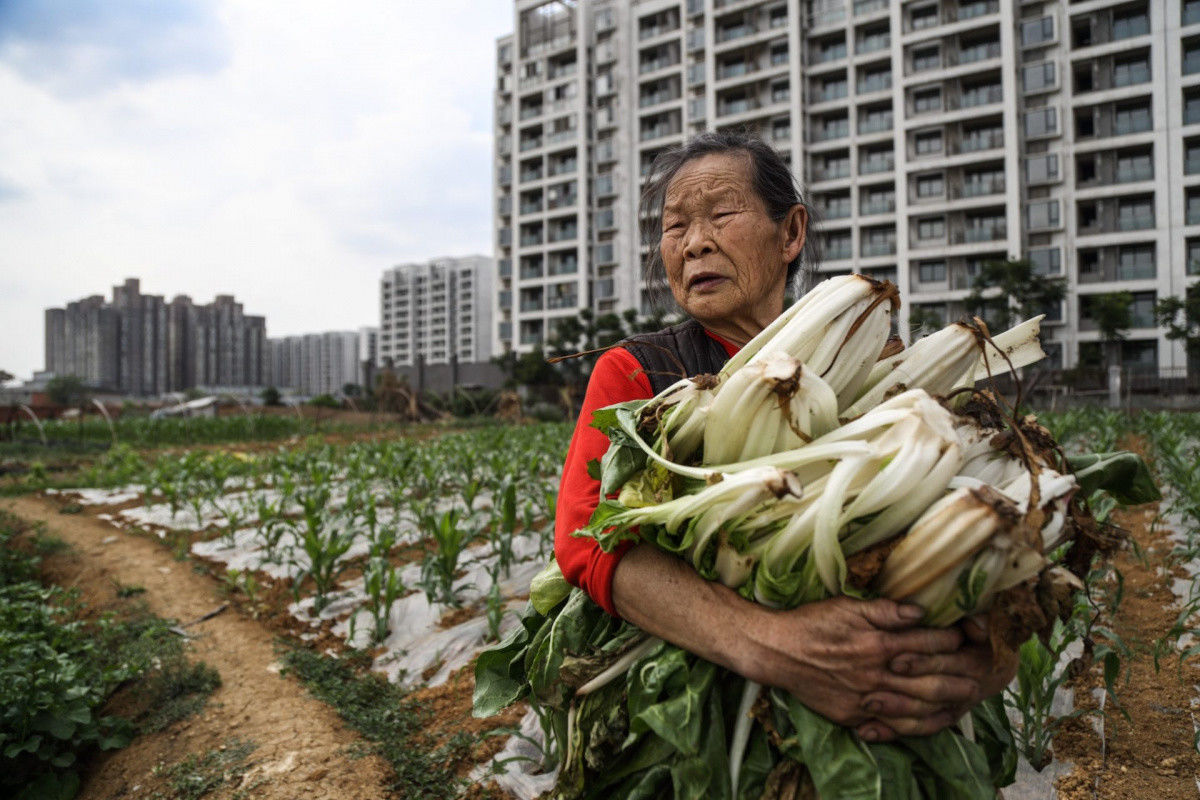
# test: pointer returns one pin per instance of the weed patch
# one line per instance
(397, 726)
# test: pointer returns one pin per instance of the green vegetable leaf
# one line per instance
(1122, 474)
(548, 588)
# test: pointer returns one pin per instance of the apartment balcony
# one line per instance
(654, 65)
(876, 249)
(872, 207)
(657, 98)
(530, 112)
(505, 237)
(864, 7)
(531, 208)
(504, 176)
(605, 253)
(504, 300)
(562, 301)
(532, 304)
(876, 164)
(605, 219)
(980, 187)
(606, 289)
(504, 267)
(562, 202)
(531, 240)
(530, 144)
(531, 175)
(987, 232)
(532, 269)
(875, 83)
(563, 168)
(569, 135)
(830, 132)
(1106, 265)
(557, 235)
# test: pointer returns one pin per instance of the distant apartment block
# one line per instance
(932, 136)
(438, 312)
(322, 363)
(142, 345)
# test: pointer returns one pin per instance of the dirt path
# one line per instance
(301, 742)
(1151, 754)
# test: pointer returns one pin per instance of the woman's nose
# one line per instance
(698, 241)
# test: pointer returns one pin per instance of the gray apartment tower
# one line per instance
(141, 345)
(932, 136)
(322, 363)
(437, 311)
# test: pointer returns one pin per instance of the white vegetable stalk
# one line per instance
(768, 406)
(946, 360)
(836, 321)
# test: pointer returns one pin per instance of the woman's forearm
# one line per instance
(664, 596)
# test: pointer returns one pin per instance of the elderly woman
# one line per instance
(731, 227)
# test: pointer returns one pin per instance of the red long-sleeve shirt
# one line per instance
(616, 378)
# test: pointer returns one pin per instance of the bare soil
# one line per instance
(301, 743)
(1150, 755)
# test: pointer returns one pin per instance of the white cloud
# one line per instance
(322, 143)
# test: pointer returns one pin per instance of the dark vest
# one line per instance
(680, 351)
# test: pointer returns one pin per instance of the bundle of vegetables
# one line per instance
(821, 461)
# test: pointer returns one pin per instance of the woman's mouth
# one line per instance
(705, 280)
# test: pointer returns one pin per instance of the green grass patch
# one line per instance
(395, 724)
(199, 775)
(60, 667)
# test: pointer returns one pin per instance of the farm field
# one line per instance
(404, 557)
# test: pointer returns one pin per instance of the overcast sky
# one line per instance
(284, 151)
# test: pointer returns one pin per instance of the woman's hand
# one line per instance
(863, 664)
(974, 660)
(837, 657)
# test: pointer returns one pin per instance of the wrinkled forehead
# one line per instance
(710, 177)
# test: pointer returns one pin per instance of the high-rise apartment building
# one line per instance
(931, 135)
(141, 345)
(321, 363)
(439, 311)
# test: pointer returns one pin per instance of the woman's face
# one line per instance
(726, 259)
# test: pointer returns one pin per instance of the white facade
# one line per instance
(436, 311)
(320, 363)
(931, 135)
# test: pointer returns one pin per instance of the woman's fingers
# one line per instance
(923, 641)
(966, 661)
(888, 728)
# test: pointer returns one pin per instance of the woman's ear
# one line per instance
(795, 229)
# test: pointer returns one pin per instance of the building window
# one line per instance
(1132, 119)
(1191, 12)
(926, 58)
(1046, 261)
(1135, 262)
(928, 142)
(1127, 24)
(1040, 76)
(1193, 207)
(931, 228)
(931, 271)
(1137, 213)
(1135, 167)
(931, 186)
(837, 246)
(1042, 215)
(1037, 31)
(927, 100)
(1193, 257)
(1041, 169)
(1136, 69)
(922, 17)
(1041, 122)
